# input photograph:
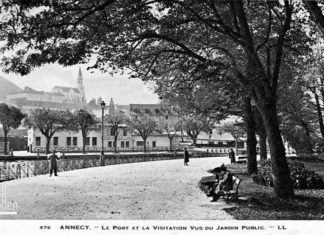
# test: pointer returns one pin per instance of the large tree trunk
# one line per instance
(48, 141)
(281, 175)
(5, 133)
(84, 139)
(319, 113)
(316, 13)
(144, 144)
(115, 142)
(251, 139)
(263, 145)
(170, 139)
(236, 146)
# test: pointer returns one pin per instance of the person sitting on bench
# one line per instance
(216, 171)
(225, 184)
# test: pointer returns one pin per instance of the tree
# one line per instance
(251, 38)
(297, 114)
(316, 13)
(115, 121)
(236, 129)
(143, 126)
(171, 129)
(214, 95)
(50, 121)
(10, 118)
(193, 125)
(84, 121)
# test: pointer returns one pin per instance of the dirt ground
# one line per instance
(163, 190)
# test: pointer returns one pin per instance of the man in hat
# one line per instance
(53, 162)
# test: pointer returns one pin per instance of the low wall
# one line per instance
(16, 170)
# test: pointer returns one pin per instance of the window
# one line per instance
(112, 131)
(75, 141)
(87, 141)
(127, 144)
(139, 143)
(55, 141)
(157, 111)
(146, 111)
(38, 141)
(94, 141)
(167, 117)
(124, 132)
(68, 141)
(153, 144)
(122, 144)
(109, 144)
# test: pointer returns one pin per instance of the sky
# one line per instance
(119, 87)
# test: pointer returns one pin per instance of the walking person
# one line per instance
(186, 156)
(53, 162)
(232, 156)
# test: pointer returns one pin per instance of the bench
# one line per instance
(241, 159)
(233, 194)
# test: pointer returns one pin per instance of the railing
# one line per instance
(107, 149)
(17, 170)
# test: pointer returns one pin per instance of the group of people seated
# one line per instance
(223, 182)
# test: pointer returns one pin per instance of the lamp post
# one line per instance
(103, 104)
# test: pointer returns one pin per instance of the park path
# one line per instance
(148, 190)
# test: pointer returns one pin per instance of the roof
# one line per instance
(151, 109)
(32, 91)
(66, 89)
(15, 133)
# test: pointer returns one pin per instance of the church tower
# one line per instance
(111, 109)
(80, 87)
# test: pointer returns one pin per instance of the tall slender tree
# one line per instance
(85, 122)
(10, 118)
(48, 122)
(115, 121)
(144, 126)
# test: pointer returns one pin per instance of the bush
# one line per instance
(301, 177)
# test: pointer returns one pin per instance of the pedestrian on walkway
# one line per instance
(53, 162)
(186, 156)
(232, 156)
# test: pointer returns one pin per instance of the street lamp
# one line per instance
(103, 104)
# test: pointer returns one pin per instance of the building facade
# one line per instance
(71, 141)
(59, 98)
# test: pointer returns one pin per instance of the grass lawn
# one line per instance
(260, 203)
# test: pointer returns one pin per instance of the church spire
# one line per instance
(80, 87)
(80, 78)
(111, 109)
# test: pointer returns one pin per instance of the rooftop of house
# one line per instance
(151, 109)
(66, 89)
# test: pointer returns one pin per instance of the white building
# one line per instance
(71, 141)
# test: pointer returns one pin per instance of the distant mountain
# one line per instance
(7, 88)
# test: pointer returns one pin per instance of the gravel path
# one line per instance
(149, 190)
